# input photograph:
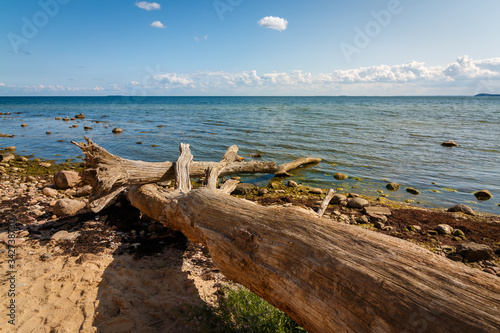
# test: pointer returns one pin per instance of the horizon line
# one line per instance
(239, 96)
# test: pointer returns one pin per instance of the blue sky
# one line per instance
(249, 47)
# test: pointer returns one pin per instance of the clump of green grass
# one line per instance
(240, 310)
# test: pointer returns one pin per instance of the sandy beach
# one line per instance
(119, 271)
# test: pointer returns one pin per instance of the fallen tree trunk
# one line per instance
(329, 277)
(110, 175)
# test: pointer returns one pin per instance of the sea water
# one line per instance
(373, 140)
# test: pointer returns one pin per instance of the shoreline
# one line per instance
(102, 256)
(370, 140)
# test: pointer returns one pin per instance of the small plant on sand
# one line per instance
(240, 310)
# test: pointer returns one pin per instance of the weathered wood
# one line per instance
(285, 167)
(212, 173)
(325, 202)
(182, 179)
(229, 186)
(330, 277)
(111, 175)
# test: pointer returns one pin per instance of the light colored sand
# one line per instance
(103, 293)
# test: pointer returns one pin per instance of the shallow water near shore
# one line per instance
(372, 139)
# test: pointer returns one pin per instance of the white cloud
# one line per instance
(411, 71)
(465, 76)
(172, 80)
(273, 22)
(148, 5)
(201, 38)
(157, 24)
(467, 68)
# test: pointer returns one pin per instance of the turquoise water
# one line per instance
(376, 139)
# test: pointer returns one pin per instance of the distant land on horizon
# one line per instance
(487, 95)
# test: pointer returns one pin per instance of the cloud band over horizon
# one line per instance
(464, 75)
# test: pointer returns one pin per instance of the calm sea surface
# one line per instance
(373, 139)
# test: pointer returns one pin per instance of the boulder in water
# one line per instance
(449, 143)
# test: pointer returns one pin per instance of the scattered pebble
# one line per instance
(413, 191)
(340, 176)
(483, 195)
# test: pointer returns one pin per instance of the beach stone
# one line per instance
(45, 165)
(444, 229)
(263, 191)
(65, 119)
(65, 207)
(454, 257)
(6, 156)
(462, 209)
(392, 186)
(475, 252)
(363, 219)
(87, 128)
(24, 125)
(483, 195)
(10, 148)
(80, 116)
(48, 133)
(316, 191)
(49, 192)
(292, 183)
(64, 235)
(243, 189)
(30, 179)
(83, 191)
(459, 233)
(378, 218)
(338, 198)
(377, 210)
(449, 143)
(379, 225)
(66, 179)
(57, 118)
(340, 176)
(117, 130)
(258, 155)
(357, 202)
(413, 191)
(74, 126)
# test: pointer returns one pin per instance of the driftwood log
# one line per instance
(111, 175)
(329, 277)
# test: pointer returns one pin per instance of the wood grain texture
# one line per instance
(111, 175)
(212, 173)
(327, 276)
(182, 179)
(325, 202)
